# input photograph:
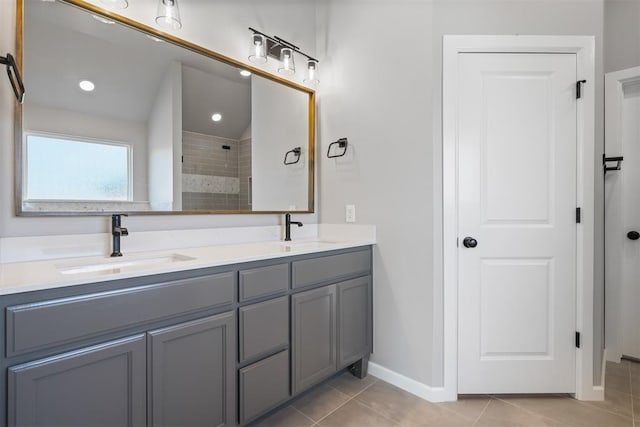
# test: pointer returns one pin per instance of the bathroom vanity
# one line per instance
(220, 345)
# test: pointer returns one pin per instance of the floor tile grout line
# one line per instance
(482, 412)
(453, 410)
(304, 415)
(379, 413)
(338, 407)
(529, 411)
(350, 398)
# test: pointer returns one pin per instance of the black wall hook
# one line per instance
(296, 152)
(618, 161)
(14, 76)
(342, 143)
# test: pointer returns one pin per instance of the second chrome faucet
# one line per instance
(287, 229)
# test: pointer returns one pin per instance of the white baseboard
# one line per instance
(596, 394)
(432, 394)
(612, 356)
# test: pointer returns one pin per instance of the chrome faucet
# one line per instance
(287, 230)
(117, 231)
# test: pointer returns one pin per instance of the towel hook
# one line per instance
(617, 159)
(14, 77)
(342, 143)
(296, 152)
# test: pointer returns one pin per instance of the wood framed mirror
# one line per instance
(119, 117)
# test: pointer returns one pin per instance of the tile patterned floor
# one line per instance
(346, 401)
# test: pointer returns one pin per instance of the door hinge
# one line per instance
(579, 88)
(578, 215)
(182, 158)
(577, 339)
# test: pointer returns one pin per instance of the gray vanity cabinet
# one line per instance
(102, 385)
(219, 346)
(192, 373)
(331, 329)
(313, 317)
(354, 320)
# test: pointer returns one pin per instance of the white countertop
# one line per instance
(16, 277)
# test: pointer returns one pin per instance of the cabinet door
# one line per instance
(354, 320)
(103, 385)
(314, 336)
(191, 373)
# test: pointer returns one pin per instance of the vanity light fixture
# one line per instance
(245, 73)
(312, 72)
(258, 49)
(87, 85)
(168, 16)
(216, 117)
(263, 46)
(116, 4)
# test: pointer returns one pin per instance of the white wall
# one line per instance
(279, 120)
(622, 34)
(220, 26)
(381, 88)
(165, 137)
(73, 123)
(377, 89)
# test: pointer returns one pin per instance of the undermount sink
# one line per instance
(113, 266)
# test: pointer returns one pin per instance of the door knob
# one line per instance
(470, 242)
(633, 235)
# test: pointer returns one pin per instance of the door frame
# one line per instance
(584, 48)
(613, 107)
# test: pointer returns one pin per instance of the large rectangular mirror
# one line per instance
(120, 118)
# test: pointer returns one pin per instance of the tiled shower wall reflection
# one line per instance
(215, 178)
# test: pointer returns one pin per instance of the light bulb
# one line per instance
(258, 49)
(312, 72)
(288, 66)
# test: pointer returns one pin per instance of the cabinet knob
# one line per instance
(633, 235)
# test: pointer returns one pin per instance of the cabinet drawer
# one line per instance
(263, 281)
(45, 324)
(263, 386)
(324, 269)
(264, 327)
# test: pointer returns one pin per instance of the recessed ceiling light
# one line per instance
(245, 73)
(103, 19)
(216, 117)
(87, 85)
(155, 39)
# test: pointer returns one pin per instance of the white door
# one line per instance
(622, 214)
(630, 136)
(517, 198)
